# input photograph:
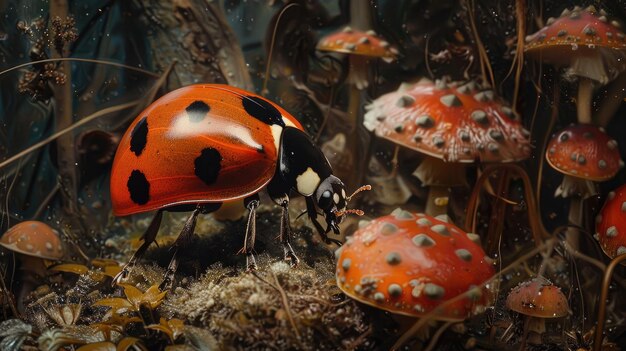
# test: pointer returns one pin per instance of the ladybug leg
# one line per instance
(285, 234)
(251, 204)
(183, 240)
(148, 238)
(312, 213)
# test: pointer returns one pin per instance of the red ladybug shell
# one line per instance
(197, 144)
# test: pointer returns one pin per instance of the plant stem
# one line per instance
(583, 103)
(597, 338)
(575, 219)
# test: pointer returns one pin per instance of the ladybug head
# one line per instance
(332, 200)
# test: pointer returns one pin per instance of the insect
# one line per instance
(202, 145)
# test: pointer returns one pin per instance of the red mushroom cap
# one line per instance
(538, 298)
(584, 151)
(611, 224)
(33, 238)
(410, 263)
(581, 37)
(354, 42)
(457, 122)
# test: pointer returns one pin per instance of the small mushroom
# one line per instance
(410, 263)
(584, 154)
(32, 242)
(538, 299)
(592, 48)
(452, 123)
(361, 47)
(611, 224)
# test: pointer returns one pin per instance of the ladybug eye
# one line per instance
(324, 200)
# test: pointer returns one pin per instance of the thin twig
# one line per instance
(91, 117)
(76, 59)
(597, 338)
(271, 51)
(284, 300)
(435, 338)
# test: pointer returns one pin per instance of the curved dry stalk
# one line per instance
(105, 111)
(76, 59)
(485, 65)
(613, 100)
(264, 90)
(433, 313)
(518, 58)
(91, 117)
(604, 293)
(435, 338)
(553, 117)
(538, 231)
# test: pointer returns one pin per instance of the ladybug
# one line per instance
(202, 145)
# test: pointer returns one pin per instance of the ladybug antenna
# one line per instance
(264, 90)
(362, 188)
(351, 211)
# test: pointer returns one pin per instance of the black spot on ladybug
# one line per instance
(208, 165)
(139, 136)
(262, 110)
(197, 110)
(260, 149)
(138, 187)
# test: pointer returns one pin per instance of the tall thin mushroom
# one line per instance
(588, 44)
(361, 47)
(452, 124)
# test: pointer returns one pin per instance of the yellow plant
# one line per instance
(115, 323)
(109, 268)
(126, 344)
(151, 298)
(173, 328)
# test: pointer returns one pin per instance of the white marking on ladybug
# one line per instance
(277, 131)
(336, 198)
(182, 128)
(307, 182)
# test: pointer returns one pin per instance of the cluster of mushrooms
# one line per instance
(420, 264)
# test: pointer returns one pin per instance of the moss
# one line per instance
(277, 307)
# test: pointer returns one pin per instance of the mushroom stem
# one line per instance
(612, 101)
(534, 327)
(361, 14)
(577, 189)
(437, 202)
(583, 103)
(439, 176)
(574, 218)
(32, 269)
(359, 136)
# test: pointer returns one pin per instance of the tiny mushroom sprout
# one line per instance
(452, 123)
(588, 43)
(611, 224)
(412, 264)
(584, 154)
(32, 242)
(538, 299)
